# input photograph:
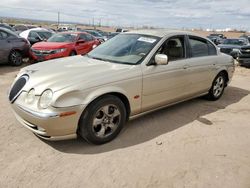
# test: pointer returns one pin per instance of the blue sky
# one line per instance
(158, 13)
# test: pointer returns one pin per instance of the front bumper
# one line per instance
(50, 125)
(244, 60)
(45, 57)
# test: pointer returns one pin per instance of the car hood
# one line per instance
(229, 46)
(78, 72)
(50, 45)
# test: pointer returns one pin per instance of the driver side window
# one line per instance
(174, 48)
(33, 34)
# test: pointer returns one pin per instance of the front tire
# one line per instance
(217, 87)
(102, 120)
(73, 53)
(15, 58)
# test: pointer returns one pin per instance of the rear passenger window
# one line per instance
(211, 49)
(199, 47)
(3, 35)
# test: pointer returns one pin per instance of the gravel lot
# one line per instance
(194, 144)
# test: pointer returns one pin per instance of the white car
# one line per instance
(36, 34)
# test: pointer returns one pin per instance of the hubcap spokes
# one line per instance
(218, 86)
(106, 121)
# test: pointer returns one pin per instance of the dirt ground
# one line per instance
(196, 144)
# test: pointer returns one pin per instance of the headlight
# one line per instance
(46, 99)
(59, 50)
(30, 97)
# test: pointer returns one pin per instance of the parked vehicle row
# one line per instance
(238, 48)
(64, 44)
(43, 44)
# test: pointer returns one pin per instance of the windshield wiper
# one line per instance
(97, 58)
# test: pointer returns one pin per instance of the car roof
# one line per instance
(162, 32)
(8, 31)
(73, 32)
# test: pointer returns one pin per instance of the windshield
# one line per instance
(125, 48)
(44, 34)
(239, 42)
(63, 37)
(94, 33)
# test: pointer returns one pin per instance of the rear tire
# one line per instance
(102, 120)
(15, 58)
(217, 88)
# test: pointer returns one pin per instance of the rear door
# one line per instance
(82, 44)
(201, 64)
(5, 47)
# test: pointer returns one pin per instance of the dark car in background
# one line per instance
(96, 34)
(222, 36)
(232, 46)
(244, 56)
(246, 37)
(62, 45)
(12, 47)
(216, 39)
(111, 35)
(21, 27)
(7, 26)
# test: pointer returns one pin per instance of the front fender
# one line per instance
(77, 97)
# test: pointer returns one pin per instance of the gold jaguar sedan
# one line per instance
(131, 74)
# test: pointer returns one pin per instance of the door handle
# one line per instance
(186, 66)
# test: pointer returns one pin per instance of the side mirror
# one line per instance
(80, 41)
(161, 59)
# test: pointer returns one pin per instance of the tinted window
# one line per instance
(199, 47)
(3, 35)
(44, 34)
(63, 37)
(83, 37)
(89, 37)
(211, 49)
(33, 34)
(239, 42)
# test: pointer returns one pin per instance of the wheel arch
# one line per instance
(117, 94)
(225, 73)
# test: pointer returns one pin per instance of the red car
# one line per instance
(63, 45)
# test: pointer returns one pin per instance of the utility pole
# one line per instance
(58, 20)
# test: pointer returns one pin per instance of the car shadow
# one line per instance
(157, 123)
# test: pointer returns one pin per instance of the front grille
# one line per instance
(17, 87)
(43, 52)
(245, 50)
(226, 50)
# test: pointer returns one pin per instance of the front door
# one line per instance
(165, 84)
(5, 47)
